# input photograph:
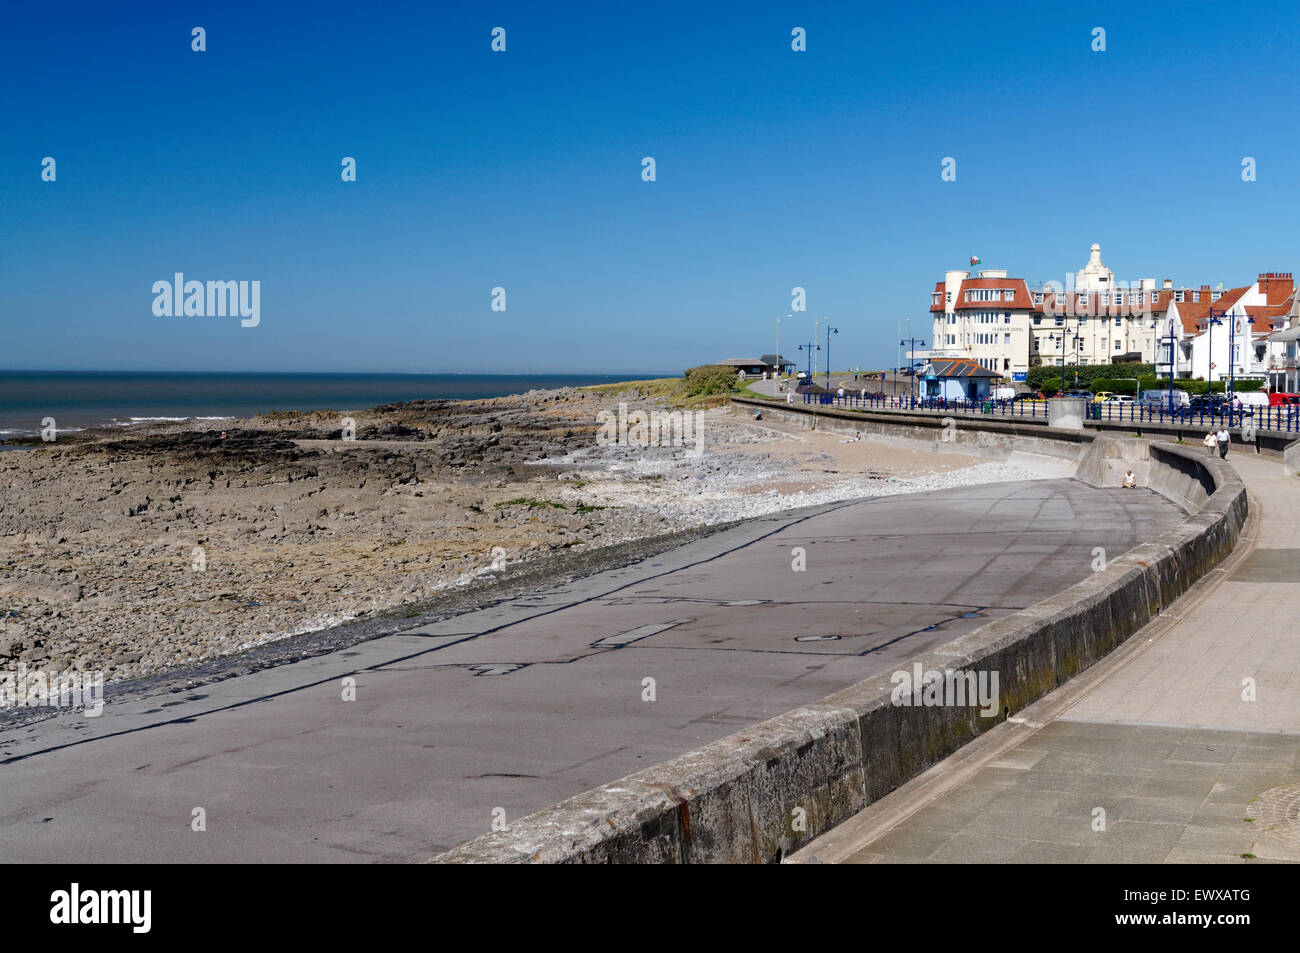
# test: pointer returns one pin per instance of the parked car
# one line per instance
(1103, 395)
(1207, 404)
(1252, 399)
(1280, 399)
(1084, 394)
(1120, 398)
(1160, 398)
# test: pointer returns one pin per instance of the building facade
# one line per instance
(1007, 326)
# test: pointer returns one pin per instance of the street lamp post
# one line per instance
(1232, 351)
(911, 348)
(1063, 330)
(1172, 340)
(809, 347)
(778, 347)
(829, 329)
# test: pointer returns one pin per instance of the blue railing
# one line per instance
(1285, 419)
(1003, 408)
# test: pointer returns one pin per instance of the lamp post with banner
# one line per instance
(1209, 371)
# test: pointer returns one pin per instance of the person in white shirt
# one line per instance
(1209, 442)
(1130, 481)
(1224, 439)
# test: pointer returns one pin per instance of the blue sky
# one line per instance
(522, 169)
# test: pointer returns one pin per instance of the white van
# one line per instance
(1252, 398)
(1160, 398)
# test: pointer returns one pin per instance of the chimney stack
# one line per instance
(1276, 286)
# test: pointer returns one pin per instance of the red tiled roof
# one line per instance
(1021, 299)
(1195, 314)
(938, 289)
(959, 367)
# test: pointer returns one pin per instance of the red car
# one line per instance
(1284, 400)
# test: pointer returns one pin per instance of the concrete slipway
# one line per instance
(770, 789)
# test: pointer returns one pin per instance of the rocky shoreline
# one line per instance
(173, 546)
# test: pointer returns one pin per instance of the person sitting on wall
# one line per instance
(1130, 481)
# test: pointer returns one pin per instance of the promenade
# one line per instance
(1183, 746)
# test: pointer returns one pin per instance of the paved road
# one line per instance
(522, 704)
(1161, 736)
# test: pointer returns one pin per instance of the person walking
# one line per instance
(1224, 439)
(1209, 442)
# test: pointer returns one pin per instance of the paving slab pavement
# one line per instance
(1183, 746)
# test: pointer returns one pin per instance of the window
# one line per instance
(1117, 344)
(1216, 295)
(1118, 322)
(1006, 318)
(1038, 297)
(1006, 339)
(1196, 296)
(1038, 319)
(1178, 296)
(950, 297)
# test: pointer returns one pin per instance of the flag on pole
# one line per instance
(974, 259)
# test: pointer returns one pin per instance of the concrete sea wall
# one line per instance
(762, 793)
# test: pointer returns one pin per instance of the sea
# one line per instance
(76, 400)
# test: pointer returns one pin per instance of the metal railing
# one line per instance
(905, 402)
(1285, 419)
